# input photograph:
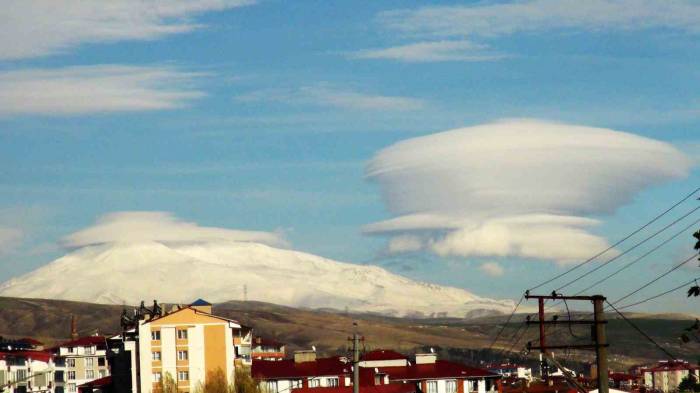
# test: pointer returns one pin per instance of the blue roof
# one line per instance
(200, 302)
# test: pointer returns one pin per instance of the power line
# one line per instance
(616, 257)
(637, 328)
(659, 295)
(618, 242)
(639, 258)
(656, 279)
(506, 323)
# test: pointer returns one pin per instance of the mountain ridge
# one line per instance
(126, 273)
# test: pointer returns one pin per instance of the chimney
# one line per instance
(73, 328)
(304, 356)
(202, 306)
(426, 358)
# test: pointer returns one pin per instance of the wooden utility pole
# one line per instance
(356, 338)
(599, 337)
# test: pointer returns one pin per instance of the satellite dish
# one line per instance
(313, 347)
(432, 350)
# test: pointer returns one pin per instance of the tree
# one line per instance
(216, 382)
(244, 382)
(167, 384)
(689, 384)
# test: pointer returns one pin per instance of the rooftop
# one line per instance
(439, 369)
(383, 354)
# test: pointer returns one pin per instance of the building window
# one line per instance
(90, 350)
(57, 376)
(70, 375)
(101, 362)
(451, 386)
(431, 386)
(21, 375)
(182, 334)
(59, 389)
(183, 375)
(332, 382)
(271, 387)
(103, 373)
(296, 384)
(157, 377)
(475, 386)
(70, 362)
(313, 383)
(155, 335)
(89, 374)
(70, 387)
(89, 362)
(71, 350)
(155, 355)
(181, 355)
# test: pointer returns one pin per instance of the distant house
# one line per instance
(80, 361)
(267, 349)
(665, 376)
(510, 370)
(377, 368)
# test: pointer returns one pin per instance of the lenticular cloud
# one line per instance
(519, 188)
(154, 226)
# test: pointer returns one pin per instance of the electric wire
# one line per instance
(638, 329)
(618, 256)
(664, 293)
(653, 220)
(500, 332)
(674, 268)
(639, 258)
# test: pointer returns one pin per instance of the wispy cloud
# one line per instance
(497, 19)
(492, 269)
(10, 239)
(44, 27)
(324, 95)
(94, 89)
(431, 51)
(461, 33)
(523, 203)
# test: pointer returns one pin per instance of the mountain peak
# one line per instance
(126, 273)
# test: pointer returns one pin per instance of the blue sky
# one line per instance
(263, 116)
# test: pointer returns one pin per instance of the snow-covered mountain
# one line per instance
(218, 271)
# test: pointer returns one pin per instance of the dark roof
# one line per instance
(104, 381)
(200, 302)
(439, 369)
(43, 356)
(84, 342)
(288, 368)
(30, 341)
(383, 354)
(391, 388)
(267, 341)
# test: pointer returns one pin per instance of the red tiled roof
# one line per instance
(621, 376)
(439, 369)
(104, 381)
(383, 354)
(84, 342)
(42, 356)
(391, 388)
(288, 368)
(267, 341)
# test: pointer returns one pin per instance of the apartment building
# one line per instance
(26, 371)
(188, 343)
(80, 361)
(666, 375)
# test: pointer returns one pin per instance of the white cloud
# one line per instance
(323, 95)
(145, 226)
(94, 89)
(43, 27)
(516, 188)
(492, 269)
(452, 33)
(433, 51)
(499, 19)
(10, 239)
